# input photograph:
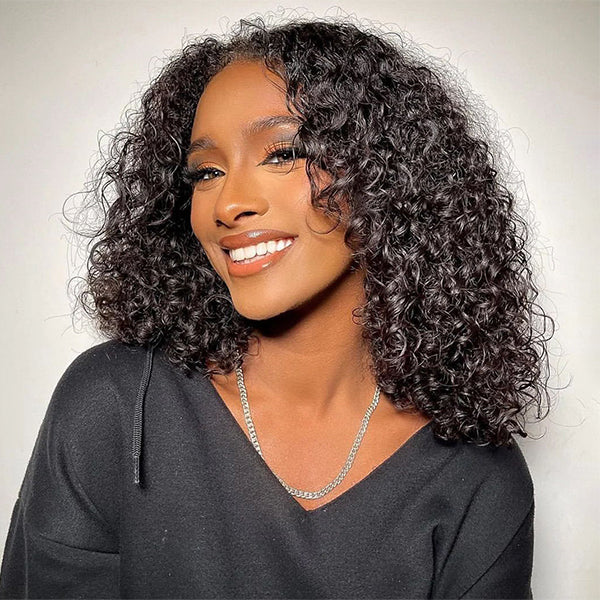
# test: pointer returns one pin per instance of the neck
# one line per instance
(312, 360)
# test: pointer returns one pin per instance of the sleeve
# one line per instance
(510, 574)
(63, 536)
(492, 553)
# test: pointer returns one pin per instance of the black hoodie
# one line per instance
(204, 517)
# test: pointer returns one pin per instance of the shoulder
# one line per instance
(480, 488)
(84, 425)
(90, 383)
(500, 476)
(101, 373)
(85, 409)
(489, 498)
(78, 453)
(485, 541)
(488, 494)
(103, 363)
(497, 469)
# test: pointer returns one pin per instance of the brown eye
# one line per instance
(193, 176)
(282, 154)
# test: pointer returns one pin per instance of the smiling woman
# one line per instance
(323, 337)
(246, 171)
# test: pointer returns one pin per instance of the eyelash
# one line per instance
(279, 150)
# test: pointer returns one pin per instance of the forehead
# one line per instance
(242, 90)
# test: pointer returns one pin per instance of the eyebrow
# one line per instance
(254, 128)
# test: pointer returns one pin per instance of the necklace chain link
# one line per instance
(348, 464)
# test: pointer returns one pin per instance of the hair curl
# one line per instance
(450, 316)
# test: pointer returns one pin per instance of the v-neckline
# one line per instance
(351, 491)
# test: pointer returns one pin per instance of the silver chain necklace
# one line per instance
(357, 441)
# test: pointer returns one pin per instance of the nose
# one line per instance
(240, 195)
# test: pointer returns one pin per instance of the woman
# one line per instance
(323, 337)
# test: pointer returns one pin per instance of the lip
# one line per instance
(250, 238)
(268, 260)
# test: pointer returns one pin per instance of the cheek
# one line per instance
(289, 190)
(198, 220)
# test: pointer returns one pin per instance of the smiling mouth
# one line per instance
(238, 255)
(257, 263)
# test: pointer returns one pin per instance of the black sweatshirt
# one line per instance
(210, 520)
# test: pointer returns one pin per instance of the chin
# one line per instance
(263, 307)
(257, 311)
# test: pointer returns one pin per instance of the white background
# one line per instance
(68, 70)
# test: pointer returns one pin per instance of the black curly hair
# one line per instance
(450, 317)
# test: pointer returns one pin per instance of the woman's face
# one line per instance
(246, 180)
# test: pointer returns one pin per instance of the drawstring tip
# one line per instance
(136, 470)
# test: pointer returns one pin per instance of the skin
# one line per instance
(310, 365)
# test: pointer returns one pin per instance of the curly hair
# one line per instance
(450, 317)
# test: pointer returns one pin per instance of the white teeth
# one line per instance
(249, 252)
(261, 248)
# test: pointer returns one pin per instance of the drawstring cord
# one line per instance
(138, 414)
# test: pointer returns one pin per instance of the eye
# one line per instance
(198, 175)
(282, 154)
